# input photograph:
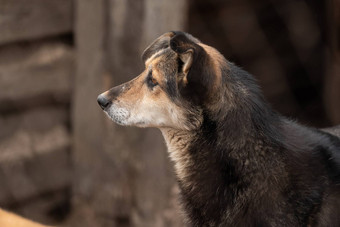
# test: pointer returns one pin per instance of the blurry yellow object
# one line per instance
(8, 219)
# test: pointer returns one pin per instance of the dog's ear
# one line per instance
(185, 49)
(160, 43)
(198, 78)
(187, 59)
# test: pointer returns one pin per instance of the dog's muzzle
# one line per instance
(103, 102)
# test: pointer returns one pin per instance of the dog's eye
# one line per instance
(154, 81)
(151, 81)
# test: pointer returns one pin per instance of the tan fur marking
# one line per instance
(152, 58)
(156, 72)
(217, 61)
(133, 94)
(187, 58)
(177, 143)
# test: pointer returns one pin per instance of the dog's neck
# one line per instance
(219, 162)
(178, 143)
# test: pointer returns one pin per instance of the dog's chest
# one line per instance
(178, 144)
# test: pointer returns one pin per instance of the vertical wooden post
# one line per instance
(123, 176)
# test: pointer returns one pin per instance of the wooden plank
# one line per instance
(8, 219)
(23, 20)
(123, 176)
(35, 72)
(34, 154)
(49, 208)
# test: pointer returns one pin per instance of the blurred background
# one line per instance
(62, 161)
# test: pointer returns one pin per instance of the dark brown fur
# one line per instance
(240, 163)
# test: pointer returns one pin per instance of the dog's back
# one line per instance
(314, 168)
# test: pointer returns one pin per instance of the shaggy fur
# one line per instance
(238, 162)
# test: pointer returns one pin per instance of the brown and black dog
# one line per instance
(238, 162)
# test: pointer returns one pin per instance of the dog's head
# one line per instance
(182, 76)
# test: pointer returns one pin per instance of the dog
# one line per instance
(238, 162)
(8, 219)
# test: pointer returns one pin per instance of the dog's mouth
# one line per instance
(117, 114)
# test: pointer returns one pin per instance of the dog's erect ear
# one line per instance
(187, 59)
(185, 49)
(160, 43)
(199, 78)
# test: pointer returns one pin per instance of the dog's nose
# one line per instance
(102, 101)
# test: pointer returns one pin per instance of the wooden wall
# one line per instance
(62, 161)
(36, 81)
(123, 175)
